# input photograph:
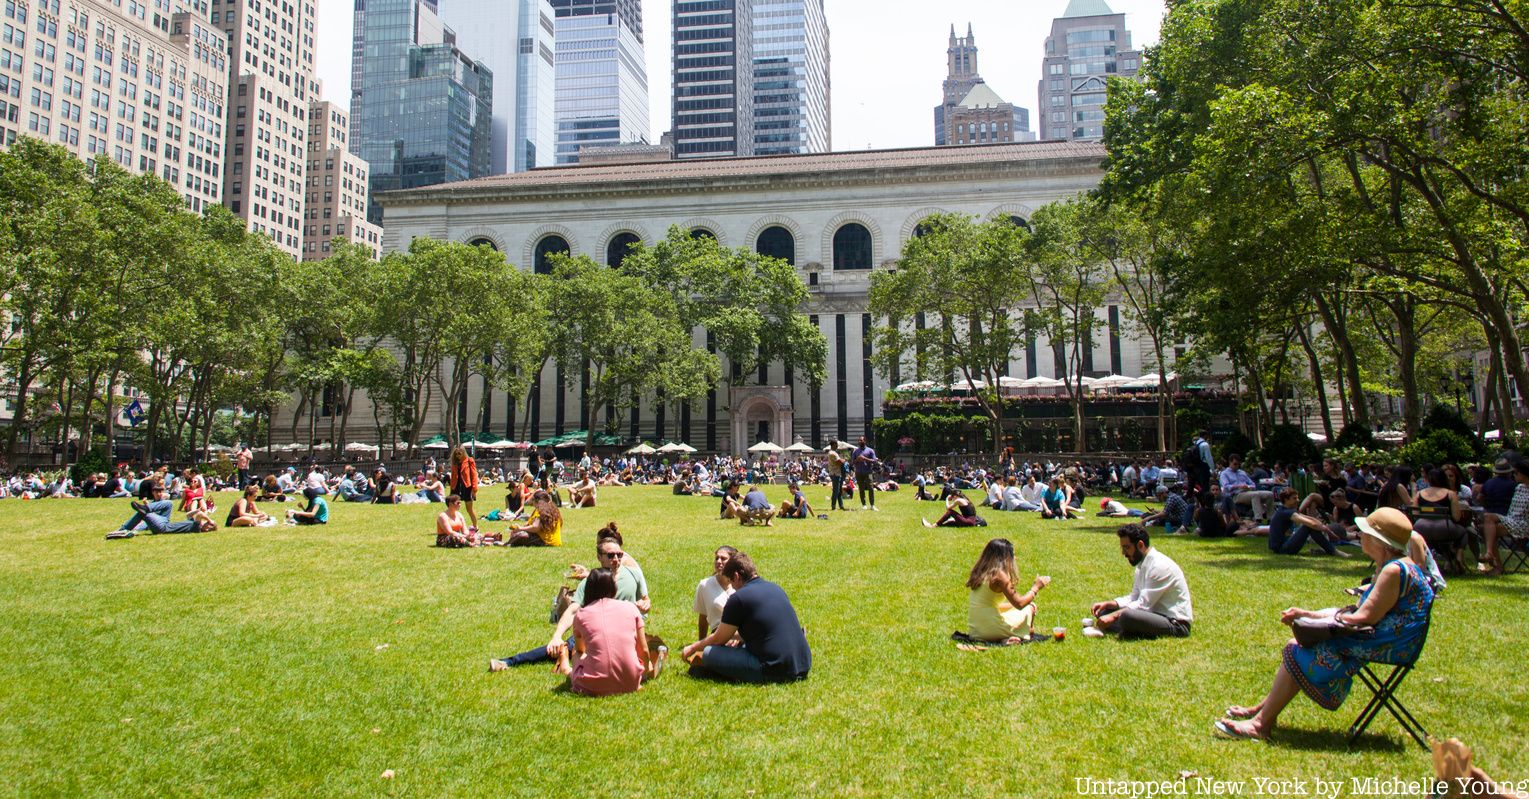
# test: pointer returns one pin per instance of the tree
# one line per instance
(1068, 283)
(971, 275)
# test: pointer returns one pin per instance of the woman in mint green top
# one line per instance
(994, 610)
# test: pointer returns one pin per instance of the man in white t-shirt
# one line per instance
(316, 481)
(711, 593)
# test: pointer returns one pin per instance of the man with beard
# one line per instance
(1158, 604)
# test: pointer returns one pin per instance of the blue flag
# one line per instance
(134, 413)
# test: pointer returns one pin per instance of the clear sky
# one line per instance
(888, 58)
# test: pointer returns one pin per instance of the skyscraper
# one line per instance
(791, 83)
(143, 87)
(602, 77)
(270, 70)
(337, 185)
(713, 78)
(515, 39)
(421, 109)
(971, 112)
(1088, 45)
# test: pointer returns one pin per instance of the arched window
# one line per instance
(777, 242)
(852, 247)
(619, 247)
(922, 229)
(547, 246)
(702, 233)
(1020, 222)
(481, 242)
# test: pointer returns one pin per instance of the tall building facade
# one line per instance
(602, 76)
(516, 40)
(337, 182)
(270, 71)
(970, 112)
(1088, 45)
(421, 108)
(791, 78)
(713, 78)
(144, 86)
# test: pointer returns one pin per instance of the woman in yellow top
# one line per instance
(994, 611)
(544, 528)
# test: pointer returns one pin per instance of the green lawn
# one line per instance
(303, 662)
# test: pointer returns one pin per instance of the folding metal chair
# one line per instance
(1514, 553)
(1383, 695)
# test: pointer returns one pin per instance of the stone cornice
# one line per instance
(987, 173)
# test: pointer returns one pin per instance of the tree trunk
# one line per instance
(1488, 392)
(1406, 363)
(1316, 379)
(1355, 406)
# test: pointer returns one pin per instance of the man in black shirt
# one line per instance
(774, 644)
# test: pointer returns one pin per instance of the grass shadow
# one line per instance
(1330, 741)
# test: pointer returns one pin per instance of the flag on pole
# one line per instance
(134, 413)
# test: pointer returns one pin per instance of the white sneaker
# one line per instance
(874, 508)
(1089, 622)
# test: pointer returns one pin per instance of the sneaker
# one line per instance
(874, 508)
(117, 534)
(497, 665)
(926, 522)
(1092, 632)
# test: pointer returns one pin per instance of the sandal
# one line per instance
(1238, 713)
(1232, 733)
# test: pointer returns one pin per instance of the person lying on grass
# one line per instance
(317, 511)
(543, 527)
(155, 516)
(995, 611)
(1114, 508)
(1396, 605)
(609, 653)
(631, 586)
(244, 513)
(1158, 605)
(959, 512)
(774, 647)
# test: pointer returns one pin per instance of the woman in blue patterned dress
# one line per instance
(1396, 604)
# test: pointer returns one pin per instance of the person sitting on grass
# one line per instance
(796, 507)
(1054, 501)
(756, 508)
(194, 497)
(995, 610)
(517, 497)
(1176, 516)
(609, 654)
(1289, 530)
(774, 647)
(732, 503)
(155, 516)
(451, 530)
(543, 527)
(712, 592)
(1113, 508)
(386, 491)
(1014, 496)
(582, 493)
(631, 586)
(1396, 605)
(959, 512)
(244, 513)
(431, 489)
(317, 511)
(1159, 603)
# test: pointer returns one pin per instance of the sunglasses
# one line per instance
(613, 555)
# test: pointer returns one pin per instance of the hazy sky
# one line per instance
(888, 58)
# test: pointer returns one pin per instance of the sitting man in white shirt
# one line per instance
(1014, 497)
(1158, 604)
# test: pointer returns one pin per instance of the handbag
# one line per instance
(1309, 632)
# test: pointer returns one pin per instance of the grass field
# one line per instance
(303, 662)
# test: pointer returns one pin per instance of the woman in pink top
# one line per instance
(611, 654)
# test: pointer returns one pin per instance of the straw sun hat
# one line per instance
(1388, 526)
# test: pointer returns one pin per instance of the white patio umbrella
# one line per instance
(1113, 381)
(800, 447)
(1492, 435)
(1042, 382)
(670, 447)
(1317, 438)
(766, 446)
(357, 446)
(436, 445)
(919, 385)
(641, 449)
(219, 448)
(968, 385)
(684, 448)
(1009, 381)
(503, 443)
(1396, 436)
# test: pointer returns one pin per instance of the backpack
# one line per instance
(1190, 459)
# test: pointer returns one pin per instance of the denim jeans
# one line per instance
(537, 655)
(731, 663)
(1023, 505)
(837, 500)
(1293, 543)
(158, 507)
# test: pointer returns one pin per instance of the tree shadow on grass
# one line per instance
(1307, 563)
(1337, 741)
